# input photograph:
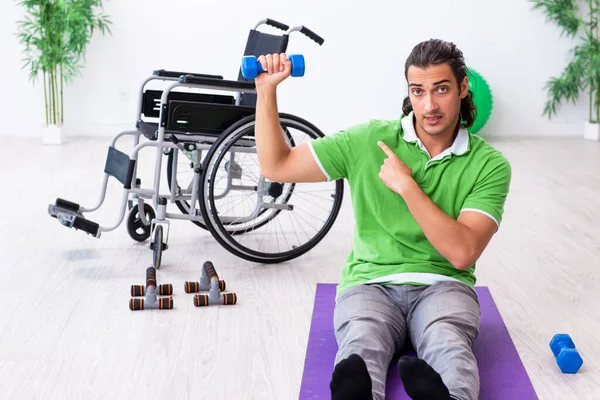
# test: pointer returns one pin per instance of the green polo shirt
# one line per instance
(389, 246)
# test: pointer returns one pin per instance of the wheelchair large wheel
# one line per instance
(279, 221)
(185, 174)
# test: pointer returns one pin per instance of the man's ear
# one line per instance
(464, 87)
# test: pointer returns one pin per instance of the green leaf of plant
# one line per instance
(55, 34)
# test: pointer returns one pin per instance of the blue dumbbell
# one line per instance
(251, 67)
(567, 357)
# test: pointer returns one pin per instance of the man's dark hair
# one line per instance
(437, 52)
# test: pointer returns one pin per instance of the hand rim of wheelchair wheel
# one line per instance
(184, 206)
(229, 227)
(234, 132)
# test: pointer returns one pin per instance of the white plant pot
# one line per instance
(53, 135)
(592, 131)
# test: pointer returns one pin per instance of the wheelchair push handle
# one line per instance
(277, 24)
(318, 39)
(251, 67)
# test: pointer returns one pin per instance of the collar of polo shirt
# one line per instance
(459, 147)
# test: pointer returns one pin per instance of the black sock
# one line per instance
(421, 381)
(351, 380)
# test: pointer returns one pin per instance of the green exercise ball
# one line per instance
(482, 97)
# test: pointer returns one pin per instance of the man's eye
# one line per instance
(416, 92)
(443, 89)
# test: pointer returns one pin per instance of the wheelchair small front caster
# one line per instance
(159, 243)
(136, 228)
(157, 246)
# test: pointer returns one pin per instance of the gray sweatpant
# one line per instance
(441, 321)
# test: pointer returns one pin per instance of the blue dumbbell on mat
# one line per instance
(251, 67)
(567, 356)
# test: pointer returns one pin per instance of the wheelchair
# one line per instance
(206, 140)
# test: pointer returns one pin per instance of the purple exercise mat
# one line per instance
(502, 373)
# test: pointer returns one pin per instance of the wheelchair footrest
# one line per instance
(67, 205)
(68, 215)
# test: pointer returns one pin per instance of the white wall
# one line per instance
(356, 75)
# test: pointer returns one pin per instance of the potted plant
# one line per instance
(55, 34)
(582, 74)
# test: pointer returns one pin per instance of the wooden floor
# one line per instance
(66, 331)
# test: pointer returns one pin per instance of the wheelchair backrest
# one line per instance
(258, 44)
(211, 114)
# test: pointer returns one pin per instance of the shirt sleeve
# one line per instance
(489, 194)
(337, 154)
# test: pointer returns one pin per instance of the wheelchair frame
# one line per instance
(124, 167)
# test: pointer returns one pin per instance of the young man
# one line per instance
(427, 197)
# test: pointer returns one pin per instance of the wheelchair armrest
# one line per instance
(176, 74)
(198, 80)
